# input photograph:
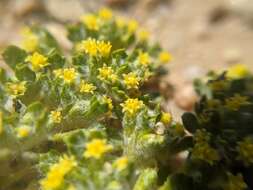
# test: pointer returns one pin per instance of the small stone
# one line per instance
(185, 97)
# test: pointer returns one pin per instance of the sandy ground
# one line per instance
(201, 34)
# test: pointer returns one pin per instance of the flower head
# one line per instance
(245, 150)
(105, 14)
(237, 71)
(56, 116)
(121, 163)
(131, 80)
(144, 58)
(69, 75)
(89, 46)
(106, 73)
(120, 22)
(90, 21)
(132, 26)
(31, 41)
(23, 131)
(104, 48)
(166, 118)
(16, 88)
(143, 35)
(87, 87)
(132, 106)
(37, 60)
(56, 173)
(235, 182)
(165, 57)
(235, 102)
(96, 148)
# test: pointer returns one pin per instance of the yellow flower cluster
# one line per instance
(57, 172)
(107, 74)
(132, 26)
(202, 150)
(132, 106)
(235, 102)
(56, 116)
(96, 148)
(237, 71)
(94, 47)
(37, 60)
(235, 182)
(68, 74)
(245, 150)
(31, 41)
(131, 80)
(143, 35)
(23, 131)
(16, 88)
(105, 14)
(121, 163)
(87, 87)
(144, 58)
(165, 57)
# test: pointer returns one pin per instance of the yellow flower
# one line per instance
(37, 60)
(106, 73)
(23, 131)
(69, 75)
(235, 182)
(1, 122)
(16, 88)
(166, 118)
(237, 71)
(87, 87)
(132, 106)
(56, 173)
(132, 26)
(89, 46)
(96, 148)
(58, 73)
(144, 58)
(131, 80)
(121, 163)
(245, 150)
(165, 57)
(105, 14)
(120, 22)
(143, 35)
(31, 41)
(104, 48)
(235, 102)
(90, 21)
(56, 116)
(71, 187)
(108, 101)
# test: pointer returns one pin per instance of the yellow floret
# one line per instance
(23, 131)
(96, 148)
(166, 118)
(144, 58)
(165, 57)
(31, 41)
(132, 106)
(88, 46)
(16, 88)
(90, 21)
(69, 75)
(121, 163)
(104, 48)
(56, 116)
(56, 173)
(143, 35)
(237, 71)
(105, 14)
(120, 22)
(106, 73)
(131, 80)
(132, 26)
(87, 87)
(37, 60)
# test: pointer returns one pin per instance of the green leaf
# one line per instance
(190, 122)
(24, 73)
(147, 180)
(14, 55)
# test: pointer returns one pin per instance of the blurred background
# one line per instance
(200, 34)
